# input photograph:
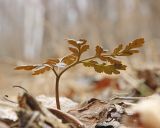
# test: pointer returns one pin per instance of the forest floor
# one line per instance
(129, 100)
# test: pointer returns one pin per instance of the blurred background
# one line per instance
(34, 30)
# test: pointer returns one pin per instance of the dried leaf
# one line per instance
(129, 49)
(120, 66)
(100, 53)
(41, 69)
(73, 42)
(136, 43)
(111, 69)
(26, 101)
(100, 114)
(78, 43)
(117, 50)
(52, 62)
(26, 67)
(69, 59)
(33, 114)
(105, 83)
(129, 52)
(99, 68)
(74, 50)
(113, 61)
(84, 48)
(90, 63)
(108, 69)
(99, 50)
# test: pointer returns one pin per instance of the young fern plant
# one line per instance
(102, 61)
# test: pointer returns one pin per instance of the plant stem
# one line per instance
(127, 98)
(87, 59)
(75, 63)
(55, 72)
(57, 92)
(60, 74)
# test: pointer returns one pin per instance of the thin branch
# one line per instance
(68, 117)
(75, 63)
(127, 98)
(78, 62)
(87, 59)
(6, 99)
(17, 86)
(57, 92)
(55, 72)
